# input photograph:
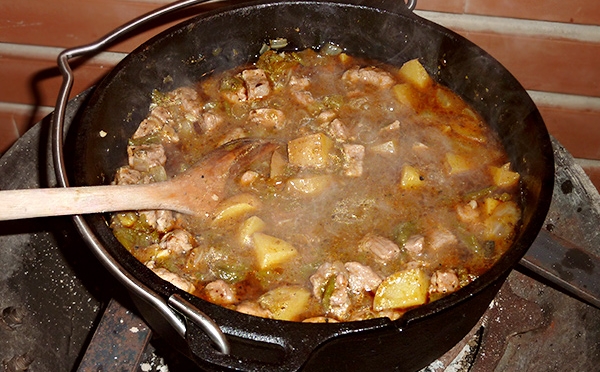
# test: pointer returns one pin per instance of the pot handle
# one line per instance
(251, 352)
(204, 322)
(278, 346)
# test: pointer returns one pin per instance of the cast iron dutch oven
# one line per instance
(220, 339)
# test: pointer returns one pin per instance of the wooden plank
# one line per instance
(562, 66)
(543, 64)
(9, 132)
(36, 82)
(69, 23)
(586, 12)
(572, 11)
(593, 171)
(577, 130)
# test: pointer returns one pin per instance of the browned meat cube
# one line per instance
(257, 83)
(144, 157)
(369, 75)
(381, 247)
(353, 159)
(219, 292)
(268, 118)
(444, 281)
(361, 277)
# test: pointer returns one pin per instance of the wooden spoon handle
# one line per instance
(29, 203)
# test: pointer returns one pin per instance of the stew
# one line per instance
(388, 191)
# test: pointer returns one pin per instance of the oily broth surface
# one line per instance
(452, 221)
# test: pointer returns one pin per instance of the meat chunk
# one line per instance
(257, 83)
(369, 75)
(353, 159)
(161, 113)
(128, 176)
(304, 98)
(321, 277)
(209, 121)
(414, 245)
(381, 247)
(187, 98)
(161, 220)
(441, 239)
(144, 157)
(338, 130)
(468, 212)
(339, 301)
(158, 122)
(320, 319)
(330, 285)
(299, 83)
(325, 117)
(369, 313)
(361, 277)
(174, 279)
(219, 292)
(253, 308)
(444, 281)
(177, 241)
(268, 118)
(235, 94)
(502, 221)
(337, 284)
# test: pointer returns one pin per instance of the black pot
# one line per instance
(382, 30)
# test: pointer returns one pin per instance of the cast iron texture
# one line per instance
(228, 38)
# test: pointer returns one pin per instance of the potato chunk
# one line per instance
(457, 163)
(311, 151)
(310, 185)
(469, 126)
(235, 207)
(249, 227)
(410, 177)
(503, 176)
(489, 204)
(271, 251)
(401, 290)
(285, 303)
(414, 73)
(278, 165)
(406, 95)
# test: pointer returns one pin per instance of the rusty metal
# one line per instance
(118, 342)
(565, 265)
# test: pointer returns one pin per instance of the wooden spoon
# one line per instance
(196, 191)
